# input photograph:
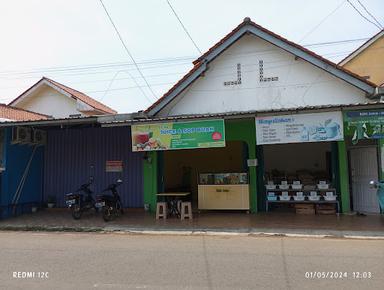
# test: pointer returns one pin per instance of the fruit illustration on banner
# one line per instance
(216, 136)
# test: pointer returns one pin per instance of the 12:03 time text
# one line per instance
(337, 275)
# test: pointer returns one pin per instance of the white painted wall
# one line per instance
(299, 84)
(47, 100)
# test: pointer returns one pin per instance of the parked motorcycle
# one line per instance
(110, 205)
(81, 200)
(379, 186)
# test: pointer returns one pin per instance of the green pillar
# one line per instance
(381, 159)
(344, 177)
(150, 180)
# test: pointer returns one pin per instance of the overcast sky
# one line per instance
(73, 42)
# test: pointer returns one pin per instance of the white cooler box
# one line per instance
(313, 196)
(299, 196)
(329, 196)
(284, 196)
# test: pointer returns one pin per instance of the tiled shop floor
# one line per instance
(134, 218)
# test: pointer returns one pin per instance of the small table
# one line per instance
(173, 200)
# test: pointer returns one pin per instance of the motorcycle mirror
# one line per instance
(373, 184)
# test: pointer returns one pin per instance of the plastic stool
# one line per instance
(161, 210)
(186, 206)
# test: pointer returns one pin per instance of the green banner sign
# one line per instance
(178, 135)
(364, 125)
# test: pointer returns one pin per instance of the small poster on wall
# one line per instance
(299, 128)
(114, 166)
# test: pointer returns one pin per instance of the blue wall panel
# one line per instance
(16, 160)
(70, 153)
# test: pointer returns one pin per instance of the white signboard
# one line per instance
(299, 128)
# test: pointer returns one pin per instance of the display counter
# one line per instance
(226, 191)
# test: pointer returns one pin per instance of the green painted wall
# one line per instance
(381, 159)
(244, 130)
(150, 180)
(344, 177)
(235, 130)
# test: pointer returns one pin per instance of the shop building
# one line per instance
(254, 112)
(253, 69)
(71, 151)
(364, 132)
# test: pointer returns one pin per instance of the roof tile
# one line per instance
(12, 113)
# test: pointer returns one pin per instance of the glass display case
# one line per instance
(223, 178)
(225, 191)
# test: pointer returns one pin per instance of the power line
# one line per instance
(84, 73)
(322, 21)
(128, 88)
(96, 66)
(185, 29)
(358, 11)
(133, 79)
(336, 42)
(370, 14)
(109, 80)
(127, 50)
(148, 64)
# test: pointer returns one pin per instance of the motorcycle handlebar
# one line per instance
(113, 185)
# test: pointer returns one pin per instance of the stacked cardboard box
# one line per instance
(302, 208)
(325, 209)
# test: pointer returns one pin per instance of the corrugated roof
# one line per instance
(74, 94)
(12, 113)
(240, 114)
(247, 22)
(127, 119)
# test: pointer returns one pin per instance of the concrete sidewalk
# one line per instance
(207, 223)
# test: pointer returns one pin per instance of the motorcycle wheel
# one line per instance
(108, 213)
(76, 212)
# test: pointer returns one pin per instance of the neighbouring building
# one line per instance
(257, 124)
(368, 59)
(59, 101)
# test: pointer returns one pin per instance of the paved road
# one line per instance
(121, 261)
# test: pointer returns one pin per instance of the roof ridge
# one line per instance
(56, 82)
